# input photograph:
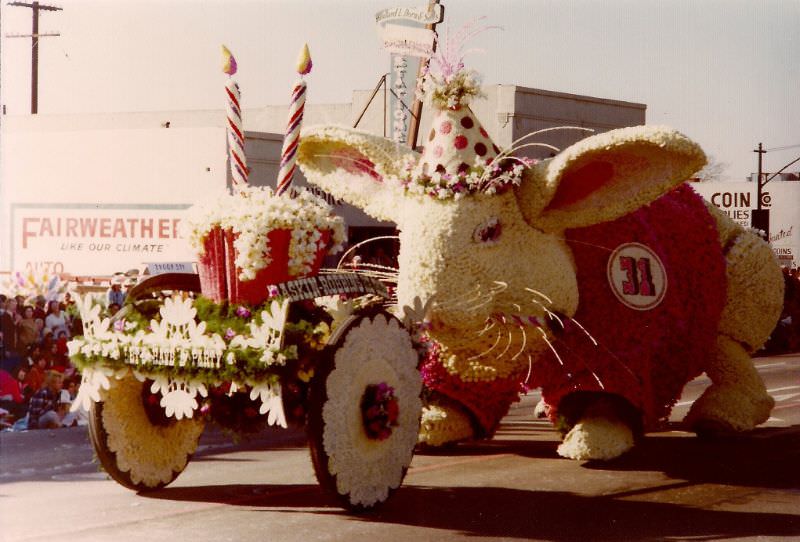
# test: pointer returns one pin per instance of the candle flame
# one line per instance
(228, 62)
(304, 61)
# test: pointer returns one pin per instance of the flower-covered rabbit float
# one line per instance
(598, 275)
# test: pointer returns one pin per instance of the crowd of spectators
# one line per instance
(34, 365)
(786, 337)
(37, 380)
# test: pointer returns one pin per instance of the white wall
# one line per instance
(64, 190)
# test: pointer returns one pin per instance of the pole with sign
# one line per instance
(411, 47)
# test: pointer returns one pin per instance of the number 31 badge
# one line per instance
(637, 276)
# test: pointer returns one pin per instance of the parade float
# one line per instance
(258, 337)
(597, 275)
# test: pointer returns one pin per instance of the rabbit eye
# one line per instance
(488, 232)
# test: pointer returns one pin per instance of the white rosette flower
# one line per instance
(376, 351)
(150, 454)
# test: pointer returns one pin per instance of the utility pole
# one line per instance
(416, 105)
(34, 35)
(760, 219)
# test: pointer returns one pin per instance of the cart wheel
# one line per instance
(364, 411)
(140, 449)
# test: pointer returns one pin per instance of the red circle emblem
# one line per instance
(637, 276)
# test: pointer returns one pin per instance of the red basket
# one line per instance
(255, 291)
(211, 267)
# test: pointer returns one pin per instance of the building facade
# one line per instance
(99, 194)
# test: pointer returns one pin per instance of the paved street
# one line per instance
(671, 487)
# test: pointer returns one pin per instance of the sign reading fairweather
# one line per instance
(96, 239)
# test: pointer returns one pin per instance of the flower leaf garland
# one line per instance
(485, 177)
(165, 343)
(252, 213)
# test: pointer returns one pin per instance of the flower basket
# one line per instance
(255, 291)
(211, 266)
(251, 239)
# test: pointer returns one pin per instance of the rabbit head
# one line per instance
(479, 252)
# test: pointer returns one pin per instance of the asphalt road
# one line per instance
(673, 486)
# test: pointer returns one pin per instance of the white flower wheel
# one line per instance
(373, 352)
(134, 451)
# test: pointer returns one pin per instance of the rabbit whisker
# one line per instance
(478, 356)
(362, 243)
(551, 129)
(530, 369)
(524, 343)
(505, 154)
(462, 299)
(584, 330)
(588, 368)
(555, 353)
(540, 294)
(508, 345)
(489, 325)
(549, 313)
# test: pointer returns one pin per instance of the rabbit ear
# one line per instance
(606, 176)
(358, 167)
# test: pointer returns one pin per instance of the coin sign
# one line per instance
(637, 276)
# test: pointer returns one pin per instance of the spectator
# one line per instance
(20, 303)
(9, 321)
(115, 294)
(64, 402)
(47, 342)
(39, 310)
(56, 320)
(59, 360)
(36, 374)
(21, 374)
(34, 353)
(11, 396)
(68, 303)
(79, 417)
(39, 328)
(43, 412)
(27, 332)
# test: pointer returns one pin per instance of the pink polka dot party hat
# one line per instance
(455, 142)
(459, 157)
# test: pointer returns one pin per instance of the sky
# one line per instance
(724, 72)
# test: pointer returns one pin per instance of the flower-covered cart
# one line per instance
(172, 361)
(258, 337)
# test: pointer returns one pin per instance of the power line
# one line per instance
(784, 148)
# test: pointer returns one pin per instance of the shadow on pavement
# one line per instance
(512, 513)
(765, 458)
